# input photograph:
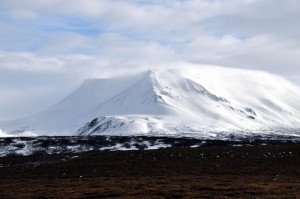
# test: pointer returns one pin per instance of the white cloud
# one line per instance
(70, 40)
(29, 61)
(15, 104)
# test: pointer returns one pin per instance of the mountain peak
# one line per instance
(208, 99)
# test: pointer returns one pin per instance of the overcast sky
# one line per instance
(48, 47)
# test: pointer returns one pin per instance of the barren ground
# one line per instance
(264, 171)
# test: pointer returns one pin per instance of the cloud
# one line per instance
(16, 104)
(54, 45)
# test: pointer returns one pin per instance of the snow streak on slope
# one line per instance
(195, 102)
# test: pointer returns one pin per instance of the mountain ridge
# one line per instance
(174, 101)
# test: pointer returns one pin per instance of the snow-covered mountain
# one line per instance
(208, 101)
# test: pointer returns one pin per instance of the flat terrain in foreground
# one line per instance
(221, 172)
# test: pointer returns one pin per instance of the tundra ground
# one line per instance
(258, 171)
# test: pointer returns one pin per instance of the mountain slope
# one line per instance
(63, 117)
(189, 101)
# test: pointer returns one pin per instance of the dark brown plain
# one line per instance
(271, 171)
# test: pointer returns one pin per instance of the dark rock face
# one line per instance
(251, 117)
(250, 110)
(88, 126)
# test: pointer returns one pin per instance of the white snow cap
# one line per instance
(177, 101)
